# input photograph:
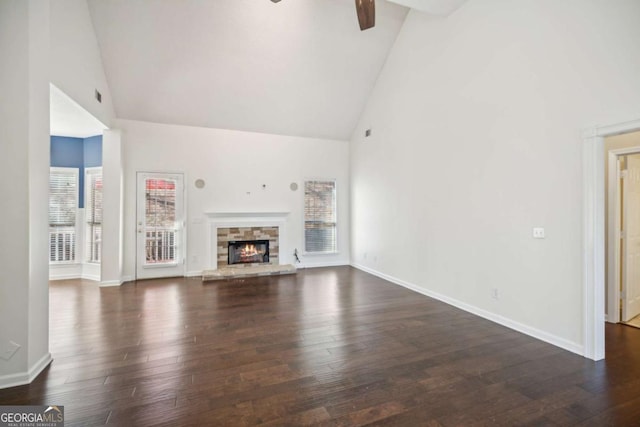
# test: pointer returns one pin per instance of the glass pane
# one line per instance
(160, 221)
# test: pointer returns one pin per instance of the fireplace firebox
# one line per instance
(248, 252)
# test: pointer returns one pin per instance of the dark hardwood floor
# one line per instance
(331, 346)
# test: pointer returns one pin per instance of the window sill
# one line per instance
(320, 253)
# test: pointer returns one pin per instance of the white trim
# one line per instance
(571, 346)
(231, 216)
(110, 283)
(613, 227)
(91, 271)
(194, 273)
(319, 264)
(65, 271)
(22, 378)
(127, 279)
(593, 234)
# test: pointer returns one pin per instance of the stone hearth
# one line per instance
(229, 272)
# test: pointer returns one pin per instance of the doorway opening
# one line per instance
(623, 228)
(594, 234)
(75, 190)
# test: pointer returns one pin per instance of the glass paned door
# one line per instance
(160, 225)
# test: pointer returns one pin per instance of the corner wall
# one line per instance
(234, 166)
(476, 122)
(24, 132)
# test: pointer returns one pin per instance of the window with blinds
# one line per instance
(93, 213)
(320, 216)
(63, 204)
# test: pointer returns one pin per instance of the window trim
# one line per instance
(304, 221)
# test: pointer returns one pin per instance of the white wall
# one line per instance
(476, 122)
(24, 138)
(76, 63)
(228, 161)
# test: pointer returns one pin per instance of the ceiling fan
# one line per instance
(366, 10)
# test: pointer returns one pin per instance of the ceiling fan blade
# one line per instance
(366, 13)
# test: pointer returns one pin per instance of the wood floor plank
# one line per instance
(329, 346)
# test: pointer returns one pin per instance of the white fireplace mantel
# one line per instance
(246, 219)
(223, 216)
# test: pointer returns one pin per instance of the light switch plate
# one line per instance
(538, 233)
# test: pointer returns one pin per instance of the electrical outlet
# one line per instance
(364, 255)
(494, 293)
(538, 233)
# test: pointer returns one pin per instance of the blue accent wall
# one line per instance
(67, 152)
(93, 151)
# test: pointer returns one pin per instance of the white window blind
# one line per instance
(63, 203)
(320, 216)
(93, 213)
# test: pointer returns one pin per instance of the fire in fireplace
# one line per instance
(248, 252)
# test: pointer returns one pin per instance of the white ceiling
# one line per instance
(67, 118)
(298, 67)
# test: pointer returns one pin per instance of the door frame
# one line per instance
(593, 234)
(183, 240)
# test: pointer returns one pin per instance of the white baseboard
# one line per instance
(64, 271)
(318, 264)
(110, 283)
(194, 273)
(496, 318)
(63, 277)
(74, 271)
(23, 378)
(127, 279)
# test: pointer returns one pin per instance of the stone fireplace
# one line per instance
(225, 227)
(231, 233)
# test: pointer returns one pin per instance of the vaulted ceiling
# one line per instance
(297, 67)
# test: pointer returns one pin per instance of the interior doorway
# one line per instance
(623, 228)
(594, 234)
(75, 190)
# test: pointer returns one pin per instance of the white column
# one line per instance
(24, 137)
(112, 209)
